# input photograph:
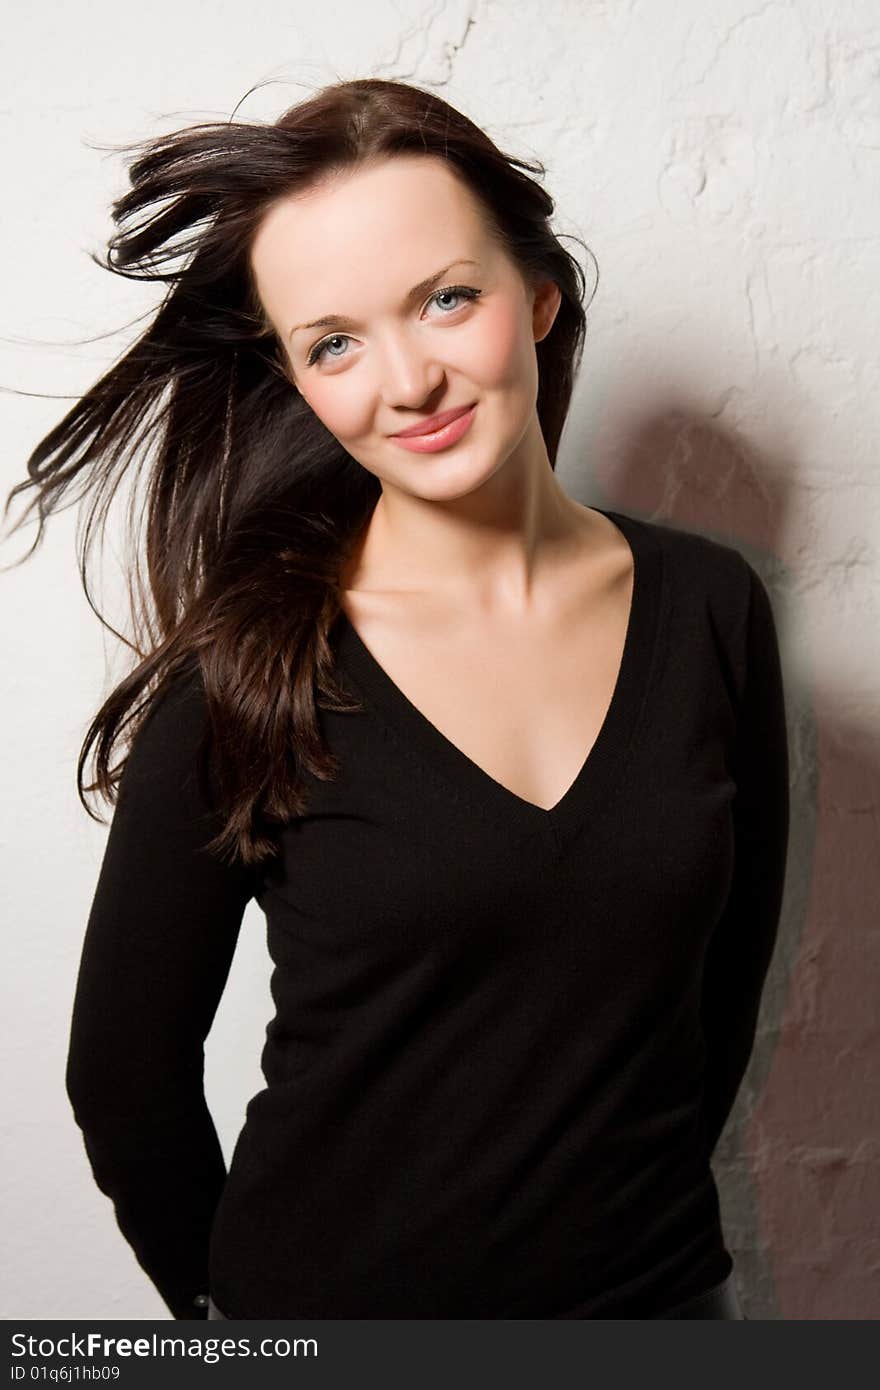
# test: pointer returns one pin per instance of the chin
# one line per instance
(446, 481)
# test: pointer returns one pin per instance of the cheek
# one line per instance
(342, 414)
(505, 345)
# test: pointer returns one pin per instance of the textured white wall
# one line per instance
(722, 161)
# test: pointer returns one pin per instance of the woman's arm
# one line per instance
(743, 941)
(158, 947)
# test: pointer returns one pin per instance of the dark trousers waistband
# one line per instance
(721, 1301)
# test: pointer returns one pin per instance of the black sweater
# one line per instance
(506, 1039)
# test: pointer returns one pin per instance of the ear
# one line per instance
(545, 307)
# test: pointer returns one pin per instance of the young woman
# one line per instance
(506, 774)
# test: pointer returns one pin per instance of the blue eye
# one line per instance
(318, 351)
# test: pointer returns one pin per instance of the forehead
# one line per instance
(391, 222)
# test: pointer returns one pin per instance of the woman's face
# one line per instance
(355, 247)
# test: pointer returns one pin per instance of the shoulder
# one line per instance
(169, 735)
(704, 572)
(715, 602)
(177, 702)
(698, 554)
(719, 602)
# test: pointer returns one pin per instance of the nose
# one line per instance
(409, 374)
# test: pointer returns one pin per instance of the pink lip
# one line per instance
(435, 423)
(442, 438)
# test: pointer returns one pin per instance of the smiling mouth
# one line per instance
(435, 424)
(438, 439)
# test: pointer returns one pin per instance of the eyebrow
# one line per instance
(340, 320)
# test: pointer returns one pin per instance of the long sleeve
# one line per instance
(743, 940)
(158, 946)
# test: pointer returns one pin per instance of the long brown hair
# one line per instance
(251, 505)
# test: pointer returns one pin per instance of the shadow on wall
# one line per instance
(798, 1167)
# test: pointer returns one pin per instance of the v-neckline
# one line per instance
(606, 759)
